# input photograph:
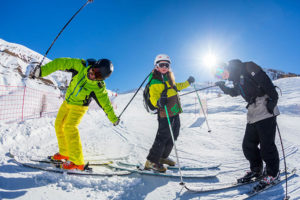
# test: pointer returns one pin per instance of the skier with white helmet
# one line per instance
(163, 91)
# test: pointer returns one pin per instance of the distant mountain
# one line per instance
(277, 74)
(15, 58)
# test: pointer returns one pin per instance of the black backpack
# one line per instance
(146, 97)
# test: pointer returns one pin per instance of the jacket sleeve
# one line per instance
(61, 64)
(181, 86)
(263, 80)
(231, 91)
(155, 91)
(103, 99)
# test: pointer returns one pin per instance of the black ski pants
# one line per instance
(163, 143)
(262, 133)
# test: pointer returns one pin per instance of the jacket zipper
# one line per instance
(80, 88)
(74, 88)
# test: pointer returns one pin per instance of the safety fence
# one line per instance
(18, 103)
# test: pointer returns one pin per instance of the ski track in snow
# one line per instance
(132, 139)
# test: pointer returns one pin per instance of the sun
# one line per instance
(210, 60)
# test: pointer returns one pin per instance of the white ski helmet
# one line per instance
(162, 57)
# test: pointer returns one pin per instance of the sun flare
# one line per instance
(210, 60)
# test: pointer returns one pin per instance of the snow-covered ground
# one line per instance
(133, 139)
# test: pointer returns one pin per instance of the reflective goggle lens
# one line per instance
(161, 65)
(97, 74)
(219, 73)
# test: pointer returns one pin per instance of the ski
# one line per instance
(220, 187)
(168, 173)
(253, 193)
(54, 167)
(50, 161)
(187, 168)
(217, 188)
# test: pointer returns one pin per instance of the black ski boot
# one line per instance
(267, 180)
(249, 176)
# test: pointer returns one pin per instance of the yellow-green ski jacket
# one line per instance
(81, 89)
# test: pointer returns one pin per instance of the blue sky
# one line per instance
(132, 32)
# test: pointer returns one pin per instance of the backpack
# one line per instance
(146, 98)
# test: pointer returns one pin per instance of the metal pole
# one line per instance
(173, 139)
(284, 161)
(133, 96)
(172, 135)
(209, 130)
(198, 90)
(89, 1)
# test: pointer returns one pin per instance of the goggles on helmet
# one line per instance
(163, 64)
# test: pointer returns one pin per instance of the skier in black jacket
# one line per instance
(254, 85)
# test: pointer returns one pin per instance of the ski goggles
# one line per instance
(97, 73)
(163, 65)
(219, 72)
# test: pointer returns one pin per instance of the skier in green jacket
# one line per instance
(87, 82)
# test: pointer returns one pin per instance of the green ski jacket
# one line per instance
(81, 89)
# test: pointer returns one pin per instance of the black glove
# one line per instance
(191, 80)
(116, 122)
(220, 83)
(271, 105)
(163, 100)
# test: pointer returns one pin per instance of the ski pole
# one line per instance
(133, 96)
(173, 139)
(172, 135)
(198, 90)
(209, 130)
(88, 1)
(284, 160)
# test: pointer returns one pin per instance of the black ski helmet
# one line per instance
(105, 67)
(235, 68)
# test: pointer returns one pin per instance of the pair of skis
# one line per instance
(50, 166)
(247, 195)
(172, 171)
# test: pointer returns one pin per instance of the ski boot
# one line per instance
(155, 166)
(251, 175)
(58, 157)
(167, 161)
(71, 166)
(267, 180)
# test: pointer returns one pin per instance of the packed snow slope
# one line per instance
(132, 140)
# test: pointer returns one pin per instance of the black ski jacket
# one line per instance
(250, 81)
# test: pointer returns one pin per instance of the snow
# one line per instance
(132, 139)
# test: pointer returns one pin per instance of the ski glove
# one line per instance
(35, 73)
(163, 100)
(117, 122)
(271, 105)
(191, 80)
(220, 83)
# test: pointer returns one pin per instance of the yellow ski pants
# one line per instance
(66, 128)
